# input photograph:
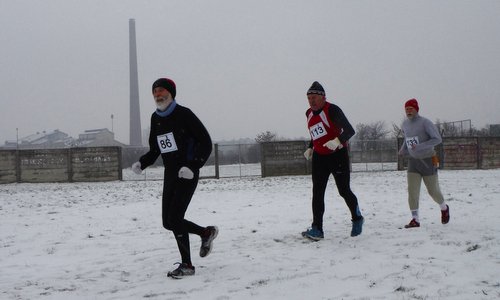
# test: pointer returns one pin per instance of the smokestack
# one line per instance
(135, 112)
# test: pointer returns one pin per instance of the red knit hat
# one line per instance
(412, 103)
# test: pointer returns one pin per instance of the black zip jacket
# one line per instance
(181, 136)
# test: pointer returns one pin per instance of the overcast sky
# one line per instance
(244, 66)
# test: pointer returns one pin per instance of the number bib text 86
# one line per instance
(166, 143)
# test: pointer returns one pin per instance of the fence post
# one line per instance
(120, 165)
(400, 166)
(239, 157)
(216, 161)
(263, 162)
(69, 163)
(478, 154)
(18, 166)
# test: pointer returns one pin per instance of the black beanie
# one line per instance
(166, 83)
(316, 88)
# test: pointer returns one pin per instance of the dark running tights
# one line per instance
(177, 194)
(336, 164)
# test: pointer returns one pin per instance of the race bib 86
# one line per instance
(166, 143)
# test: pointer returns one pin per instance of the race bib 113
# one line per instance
(318, 130)
(411, 142)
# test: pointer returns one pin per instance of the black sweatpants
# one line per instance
(336, 164)
(177, 194)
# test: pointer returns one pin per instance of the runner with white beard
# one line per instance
(184, 145)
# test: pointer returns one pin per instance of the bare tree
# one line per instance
(368, 134)
(397, 131)
(455, 128)
(372, 131)
(267, 136)
(485, 131)
(446, 128)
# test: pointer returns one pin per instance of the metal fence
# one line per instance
(233, 160)
(240, 160)
(225, 161)
(455, 128)
(243, 160)
(286, 158)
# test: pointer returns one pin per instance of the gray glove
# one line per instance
(186, 173)
(136, 168)
(308, 154)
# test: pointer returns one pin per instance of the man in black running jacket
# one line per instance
(184, 145)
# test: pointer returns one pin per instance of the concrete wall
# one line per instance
(284, 158)
(8, 166)
(96, 164)
(489, 157)
(456, 153)
(61, 165)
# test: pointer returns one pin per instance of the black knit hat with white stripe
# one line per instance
(316, 88)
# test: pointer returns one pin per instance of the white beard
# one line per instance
(163, 104)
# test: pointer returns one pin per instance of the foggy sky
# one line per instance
(244, 66)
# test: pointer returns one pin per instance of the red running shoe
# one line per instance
(445, 215)
(413, 223)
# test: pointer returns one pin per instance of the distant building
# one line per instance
(97, 138)
(42, 140)
(58, 139)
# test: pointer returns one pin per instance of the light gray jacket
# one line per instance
(420, 137)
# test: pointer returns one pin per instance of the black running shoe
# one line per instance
(206, 241)
(182, 270)
(357, 226)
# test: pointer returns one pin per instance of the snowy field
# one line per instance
(106, 241)
(244, 170)
(225, 171)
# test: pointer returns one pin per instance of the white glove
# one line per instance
(186, 173)
(308, 154)
(136, 168)
(332, 144)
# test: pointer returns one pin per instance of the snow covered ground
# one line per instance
(225, 171)
(244, 170)
(106, 241)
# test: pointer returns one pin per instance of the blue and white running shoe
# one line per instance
(357, 227)
(313, 233)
